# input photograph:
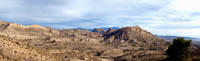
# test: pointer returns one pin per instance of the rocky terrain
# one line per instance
(37, 43)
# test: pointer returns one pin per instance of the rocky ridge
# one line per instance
(35, 43)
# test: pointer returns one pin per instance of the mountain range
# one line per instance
(160, 36)
(38, 43)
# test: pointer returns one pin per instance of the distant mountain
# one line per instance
(84, 29)
(174, 37)
(104, 28)
(170, 38)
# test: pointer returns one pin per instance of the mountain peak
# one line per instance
(133, 35)
(99, 30)
(132, 28)
(110, 30)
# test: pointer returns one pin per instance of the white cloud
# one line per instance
(178, 32)
(186, 5)
(9, 3)
(167, 17)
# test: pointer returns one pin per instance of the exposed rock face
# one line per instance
(36, 43)
(110, 30)
(98, 30)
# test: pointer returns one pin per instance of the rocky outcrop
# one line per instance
(98, 30)
(110, 30)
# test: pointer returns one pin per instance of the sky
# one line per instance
(161, 17)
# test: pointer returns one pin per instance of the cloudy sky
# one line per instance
(161, 17)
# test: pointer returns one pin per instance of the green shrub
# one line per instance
(179, 50)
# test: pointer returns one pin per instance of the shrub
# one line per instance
(179, 50)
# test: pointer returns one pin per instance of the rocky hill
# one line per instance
(134, 35)
(38, 43)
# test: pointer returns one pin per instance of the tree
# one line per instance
(179, 50)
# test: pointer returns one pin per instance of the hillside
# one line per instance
(35, 43)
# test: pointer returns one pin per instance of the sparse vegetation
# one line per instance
(128, 43)
(179, 50)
